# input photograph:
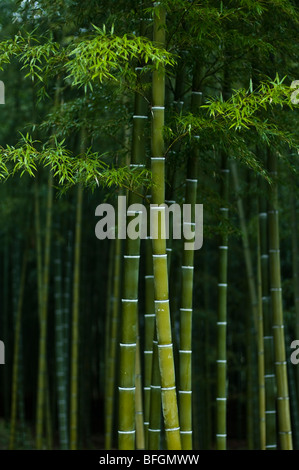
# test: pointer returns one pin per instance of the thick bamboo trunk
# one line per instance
(164, 336)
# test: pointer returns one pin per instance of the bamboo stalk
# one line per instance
(269, 377)
(16, 357)
(221, 432)
(283, 405)
(163, 324)
(42, 363)
(74, 382)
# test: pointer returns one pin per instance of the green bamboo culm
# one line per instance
(221, 433)
(42, 364)
(185, 352)
(269, 375)
(154, 428)
(283, 402)
(16, 357)
(129, 310)
(61, 369)
(158, 227)
(256, 311)
(112, 346)
(74, 381)
(261, 349)
(149, 329)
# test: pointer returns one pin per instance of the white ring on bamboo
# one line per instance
(221, 399)
(131, 389)
(161, 301)
(132, 256)
(160, 256)
(268, 337)
(168, 388)
(127, 432)
(221, 435)
(278, 326)
(263, 214)
(148, 352)
(154, 430)
(269, 412)
(148, 315)
(185, 391)
(158, 158)
(223, 247)
(186, 432)
(149, 276)
(279, 363)
(221, 322)
(165, 345)
(186, 309)
(269, 376)
(127, 345)
(155, 386)
(139, 117)
(283, 398)
(225, 170)
(276, 289)
(271, 446)
(264, 256)
(223, 361)
(129, 300)
(196, 137)
(196, 92)
(187, 267)
(172, 429)
(158, 107)
(191, 180)
(185, 351)
(223, 209)
(222, 284)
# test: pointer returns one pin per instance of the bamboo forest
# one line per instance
(149, 241)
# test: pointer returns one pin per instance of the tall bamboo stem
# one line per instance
(164, 336)
(283, 405)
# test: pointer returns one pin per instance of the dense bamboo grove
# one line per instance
(121, 330)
